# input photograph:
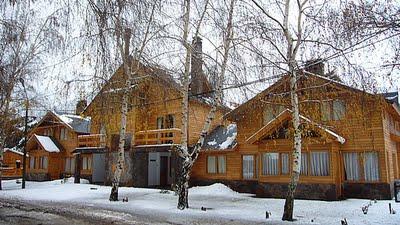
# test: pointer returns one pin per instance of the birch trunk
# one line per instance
(296, 164)
(292, 65)
(190, 158)
(124, 111)
(183, 182)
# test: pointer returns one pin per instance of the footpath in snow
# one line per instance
(219, 201)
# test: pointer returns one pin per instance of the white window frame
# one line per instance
(249, 160)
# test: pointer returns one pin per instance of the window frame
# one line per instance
(280, 164)
(216, 164)
(255, 166)
(361, 167)
(331, 114)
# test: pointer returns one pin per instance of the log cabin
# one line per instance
(12, 163)
(153, 121)
(350, 142)
(51, 144)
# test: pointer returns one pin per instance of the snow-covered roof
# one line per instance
(77, 123)
(221, 138)
(47, 144)
(14, 151)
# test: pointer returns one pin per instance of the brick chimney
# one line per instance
(80, 106)
(315, 66)
(199, 83)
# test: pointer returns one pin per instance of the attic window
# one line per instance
(271, 112)
(333, 110)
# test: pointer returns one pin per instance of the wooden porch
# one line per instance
(142, 138)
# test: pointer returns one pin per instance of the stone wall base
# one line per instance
(305, 191)
(368, 190)
(38, 176)
(277, 190)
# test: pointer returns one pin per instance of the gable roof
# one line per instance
(47, 143)
(13, 151)
(285, 78)
(221, 138)
(285, 116)
(158, 73)
(75, 123)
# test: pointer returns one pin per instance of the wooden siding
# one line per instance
(364, 127)
(10, 164)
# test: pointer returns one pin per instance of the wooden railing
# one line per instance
(92, 140)
(158, 137)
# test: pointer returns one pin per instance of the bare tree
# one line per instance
(189, 156)
(24, 40)
(124, 19)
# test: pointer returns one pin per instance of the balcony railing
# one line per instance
(158, 137)
(92, 140)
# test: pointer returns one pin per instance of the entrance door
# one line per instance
(163, 171)
(154, 171)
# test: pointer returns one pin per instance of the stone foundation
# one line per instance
(37, 176)
(276, 190)
(368, 190)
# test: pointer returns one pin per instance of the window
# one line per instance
(70, 165)
(86, 163)
(48, 132)
(221, 164)
(285, 163)
(216, 164)
(319, 162)
(371, 167)
(271, 112)
(270, 164)
(351, 166)
(211, 162)
(43, 162)
(333, 110)
(304, 164)
(32, 162)
(325, 111)
(339, 109)
(248, 166)
(63, 134)
(18, 164)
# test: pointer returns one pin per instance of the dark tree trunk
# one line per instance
(289, 203)
(77, 175)
(183, 186)
(114, 192)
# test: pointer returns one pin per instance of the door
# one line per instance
(153, 171)
(98, 167)
(163, 171)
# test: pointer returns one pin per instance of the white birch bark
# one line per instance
(189, 158)
(129, 84)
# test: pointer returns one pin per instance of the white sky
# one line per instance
(63, 66)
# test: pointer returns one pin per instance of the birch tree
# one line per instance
(189, 155)
(24, 40)
(292, 39)
(128, 22)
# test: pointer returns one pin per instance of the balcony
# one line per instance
(92, 140)
(158, 137)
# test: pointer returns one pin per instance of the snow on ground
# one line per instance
(220, 201)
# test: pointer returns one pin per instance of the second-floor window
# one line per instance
(63, 134)
(334, 110)
(271, 112)
(48, 132)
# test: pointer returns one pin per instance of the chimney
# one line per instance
(315, 66)
(80, 106)
(199, 83)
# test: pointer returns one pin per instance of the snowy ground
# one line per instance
(221, 202)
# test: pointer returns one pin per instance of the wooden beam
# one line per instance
(395, 137)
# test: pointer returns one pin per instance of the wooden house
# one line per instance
(51, 144)
(12, 163)
(350, 142)
(153, 121)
